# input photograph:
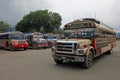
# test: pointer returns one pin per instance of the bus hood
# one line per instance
(79, 41)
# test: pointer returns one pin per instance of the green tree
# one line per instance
(3, 26)
(41, 20)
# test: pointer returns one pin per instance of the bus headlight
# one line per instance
(79, 52)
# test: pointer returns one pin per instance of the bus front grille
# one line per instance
(66, 47)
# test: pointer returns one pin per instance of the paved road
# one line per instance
(38, 65)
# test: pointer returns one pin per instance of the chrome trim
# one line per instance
(65, 47)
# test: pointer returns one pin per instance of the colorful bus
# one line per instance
(85, 40)
(13, 41)
(36, 40)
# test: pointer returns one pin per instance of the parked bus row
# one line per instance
(17, 40)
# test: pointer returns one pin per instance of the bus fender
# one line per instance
(90, 49)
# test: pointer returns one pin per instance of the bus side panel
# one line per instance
(104, 44)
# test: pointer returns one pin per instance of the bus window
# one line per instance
(16, 37)
(82, 33)
(4, 36)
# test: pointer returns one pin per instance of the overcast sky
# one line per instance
(108, 11)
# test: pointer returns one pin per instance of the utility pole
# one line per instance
(95, 15)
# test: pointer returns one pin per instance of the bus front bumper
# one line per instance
(71, 58)
(21, 46)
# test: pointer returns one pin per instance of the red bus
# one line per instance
(85, 40)
(13, 41)
(36, 40)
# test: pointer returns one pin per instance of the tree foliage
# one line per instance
(4, 26)
(41, 20)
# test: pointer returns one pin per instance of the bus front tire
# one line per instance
(12, 48)
(25, 48)
(88, 61)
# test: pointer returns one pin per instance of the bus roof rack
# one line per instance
(91, 19)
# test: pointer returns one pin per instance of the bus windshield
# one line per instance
(17, 36)
(80, 33)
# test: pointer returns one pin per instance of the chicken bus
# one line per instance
(13, 40)
(35, 40)
(85, 40)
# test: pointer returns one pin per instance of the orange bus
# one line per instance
(13, 41)
(85, 40)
